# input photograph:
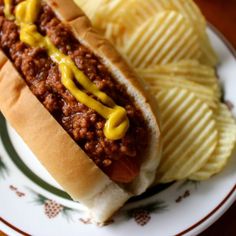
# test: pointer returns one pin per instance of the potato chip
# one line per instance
(189, 134)
(190, 70)
(191, 12)
(227, 137)
(167, 37)
(159, 82)
(140, 11)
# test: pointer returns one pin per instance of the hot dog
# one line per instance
(76, 103)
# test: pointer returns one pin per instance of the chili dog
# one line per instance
(99, 134)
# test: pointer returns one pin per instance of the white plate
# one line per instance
(32, 203)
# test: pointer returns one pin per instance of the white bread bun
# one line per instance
(55, 149)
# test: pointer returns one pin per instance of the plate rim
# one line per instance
(203, 223)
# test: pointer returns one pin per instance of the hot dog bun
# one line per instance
(56, 150)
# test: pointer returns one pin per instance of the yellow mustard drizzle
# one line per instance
(117, 122)
(7, 9)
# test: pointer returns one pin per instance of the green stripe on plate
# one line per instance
(21, 165)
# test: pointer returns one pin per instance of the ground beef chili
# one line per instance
(83, 124)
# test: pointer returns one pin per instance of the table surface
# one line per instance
(222, 14)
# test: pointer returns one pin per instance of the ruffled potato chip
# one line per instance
(158, 82)
(189, 134)
(167, 37)
(191, 12)
(227, 137)
(190, 70)
(141, 10)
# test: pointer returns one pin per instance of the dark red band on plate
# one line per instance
(210, 214)
(13, 227)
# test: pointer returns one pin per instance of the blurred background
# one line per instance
(222, 14)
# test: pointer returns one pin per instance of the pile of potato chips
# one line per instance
(165, 41)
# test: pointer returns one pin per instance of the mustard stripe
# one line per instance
(117, 122)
